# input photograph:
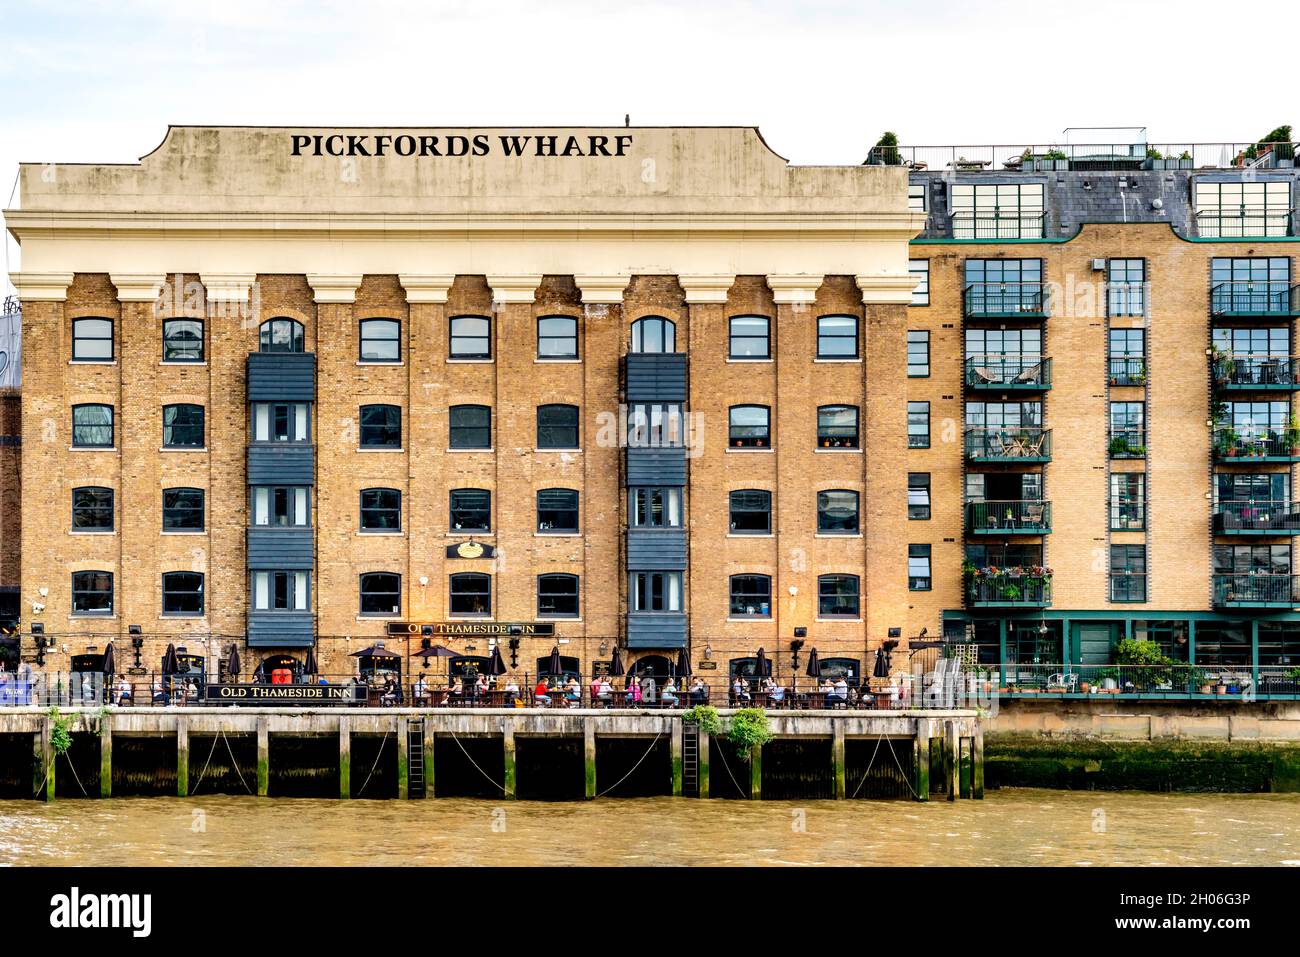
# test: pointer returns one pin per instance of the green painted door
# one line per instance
(1093, 642)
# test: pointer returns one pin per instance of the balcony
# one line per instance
(1249, 299)
(1264, 517)
(281, 377)
(1256, 373)
(658, 630)
(1019, 446)
(1249, 448)
(1127, 371)
(1005, 300)
(1256, 591)
(1243, 224)
(1008, 372)
(280, 629)
(1176, 680)
(998, 224)
(1009, 588)
(1008, 518)
(1128, 444)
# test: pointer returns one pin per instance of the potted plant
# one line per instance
(1054, 159)
(1118, 447)
(1184, 160)
(1109, 679)
(1291, 438)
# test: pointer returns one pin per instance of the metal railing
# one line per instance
(1010, 590)
(1257, 515)
(1043, 157)
(1006, 370)
(1005, 300)
(990, 224)
(1230, 443)
(1025, 443)
(1261, 589)
(1248, 297)
(1158, 681)
(1256, 372)
(1008, 517)
(1127, 370)
(1243, 224)
(1127, 443)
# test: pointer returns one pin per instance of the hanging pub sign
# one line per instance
(472, 629)
(471, 549)
(272, 694)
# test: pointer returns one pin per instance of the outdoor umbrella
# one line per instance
(110, 662)
(616, 664)
(169, 663)
(814, 666)
(683, 664)
(497, 666)
(310, 666)
(881, 669)
(761, 666)
(232, 666)
(553, 667)
(435, 651)
(374, 651)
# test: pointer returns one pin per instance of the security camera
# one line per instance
(794, 590)
(424, 580)
(43, 592)
(37, 608)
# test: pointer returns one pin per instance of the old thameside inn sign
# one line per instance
(472, 629)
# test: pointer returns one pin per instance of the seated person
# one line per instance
(542, 693)
(669, 694)
(740, 689)
(604, 690)
(573, 690)
(421, 690)
(777, 693)
(699, 691)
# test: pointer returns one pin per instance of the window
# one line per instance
(919, 269)
(281, 591)
(916, 197)
(182, 426)
(471, 510)
(281, 335)
(837, 337)
(918, 495)
(751, 596)
(1004, 415)
(750, 338)
(471, 337)
(182, 593)
(1128, 430)
(1004, 287)
(1253, 342)
(381, 510)
(381, 594)
(655, 507)
(182, 509)
(1019, 347)
(92, 426)
(557, 596)
(918, 425)
(837, 596)
(1126, 287)
(837, 426)
(92, 340)
(748, 427)
(92, 509)
(471, 427)
(1250, 285)
(1128, 501)
(751, 512)
(656, 591)
(654, 334)
(997, 211)
(918, 353)
(471, 595)
(557, 426)
(1258, 419)
(918, 567)
(381, 427)
(655, 425)
(837, 512)
(1258, 488)
(557, 510)
(1252, 559)
(92, 593)
(1127, 356)
(279, 421)
(381, 340)
(557, 337)
(1128, 573)
(280, 506)
(1258, 208)
(183, 340)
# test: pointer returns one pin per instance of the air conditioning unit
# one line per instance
(1099, 265)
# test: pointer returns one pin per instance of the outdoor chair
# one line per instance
(1029, 375)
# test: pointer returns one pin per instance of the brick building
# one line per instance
(292, 390)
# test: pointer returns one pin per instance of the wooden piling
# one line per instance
(950, 758)
(837, 758)
(589, 757)
(756, 773)
(428, 757)
(921, 760)
(403, 760)
(508, 748)
(964, 765)
(106, 755)
(977, 763)
(345, 757)
(43, 744)
(182, 757)
(677, 758)
(263, 755)
(704, 764)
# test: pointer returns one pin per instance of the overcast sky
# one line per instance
(86, 81)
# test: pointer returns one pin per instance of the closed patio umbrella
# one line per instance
(232, 665)
(497, 666)
(616, 663)
(110, 661)
(553, 666)
(814, 666)
(169, 663)
(683, 664)
(762, 667)
(309, 667)
(881, 669)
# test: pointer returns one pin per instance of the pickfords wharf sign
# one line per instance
(456, 144)
(273, 694)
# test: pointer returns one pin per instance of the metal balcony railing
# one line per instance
(1005, 300)
(998, 224)
(1009, 372)
(1243, 224)
(1127, 370)
(1251, 298)
(1009, 590)
(1009, 518)
(1044, 157)
(1128, 443)
(1008, 444)
(1247, 373)
(1279, 591)
(1231, 444)
(1257, 517)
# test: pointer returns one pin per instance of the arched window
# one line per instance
(751, 596)
(182, 426)
(471, 338)
(557, 337)
(381, 510)
(654, 334)
(557, 427)
(92, 509)
(837, 426)
(92, 340)
(471, 595)
(557, 596)
(749, 427)
(381, 427)
(750, 338)
(281, 335)
(837, 596)
(381, 340)
(381, 594)
(92, 426)
(471, 427)
(182, 593)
